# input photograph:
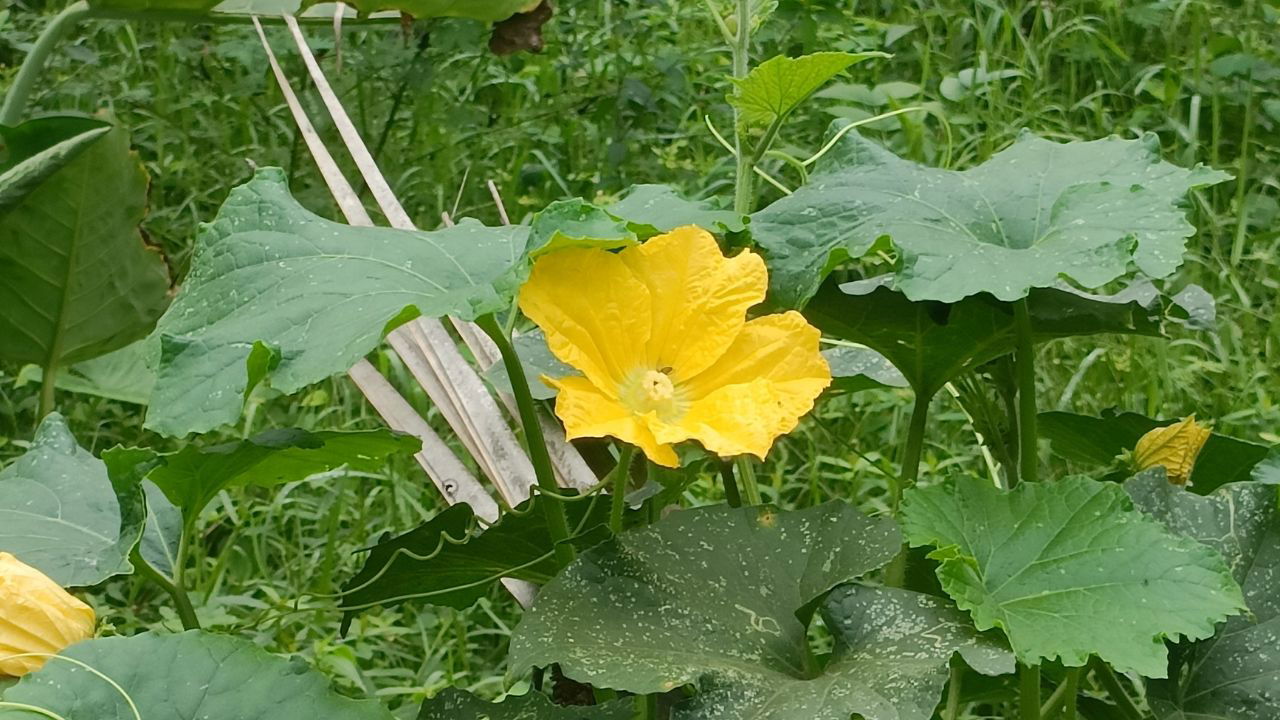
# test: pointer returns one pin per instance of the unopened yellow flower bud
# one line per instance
(1175, 447)
(37, 617)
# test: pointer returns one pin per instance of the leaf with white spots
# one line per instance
(453, 704)
(1032, 214)
(277, 291)
(189, 676)
(720, 598)
(1234, 675)
(61, 512)
(1069, 569)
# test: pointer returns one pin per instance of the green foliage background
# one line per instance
(618, 99)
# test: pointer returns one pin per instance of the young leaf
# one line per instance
(1030, 215)
(1101, 440)
(451, 561)
(61, 512)
(193, 675)
(454, 704)
(1068, 569)
(275, 289)
(76, 279)
(192, 476)
(576, 223)
(720, 597)
(654, 209)
(1234, 674)
(780, 84)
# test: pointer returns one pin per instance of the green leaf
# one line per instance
(192, 476)
(1032, 214)
(160, 538)
(451, 561)
(454, 704)
(932, 343)
(537, 360)
(576, 223)
(780, 84)
(61, 513)
(275, 289)
(1068, 569)
(1267, 471)
(119, 375)
(654, 209)
(1101, 440)
(1234, 674)
(76, 279)
(719, 597)
(861, 368)
(189, 676)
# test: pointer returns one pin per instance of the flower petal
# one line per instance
(700, 297)
(593, 311)
(758, 390)
(588, 412)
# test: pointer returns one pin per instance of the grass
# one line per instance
(620, 98)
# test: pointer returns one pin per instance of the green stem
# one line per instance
(48, 381)
(952, 711)
(746, 473)
(621, 474)
(15, 101)
(1025, 361)
(1029, 692)
(1108, 678)
(744, 187)
(731, 493)
(1242, 180)
(912, 453)
(553, 509)
(1072, 694)
(181, 601)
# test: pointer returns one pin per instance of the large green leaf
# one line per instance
(275, 289)
(1030, 215)
(76, 279)
(931, 343)
(719, 597)
(653, 209)
(192, 476)
(190, 676)
(1068, 569)
(453, 704)
(61, 512)
(778, 85)
(1101, 440)
(450, 560)
(1235, 674)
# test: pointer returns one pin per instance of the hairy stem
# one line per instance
(744, 180)
(553, 509)
(15, 101)
(621, 474)
(1025, 360)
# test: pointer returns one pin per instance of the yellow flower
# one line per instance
(1175, 447)
(660, 334)
(36, 616)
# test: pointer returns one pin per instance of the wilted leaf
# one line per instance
(453, 704)
(1101, 440)
(277, 290)
(451, 561)
(720, 597)
(62, 514)
(1068, 569)
(653, 209)
(189, 676)
(192, 476)
(1235, 674)
(1030, 215)
(76, 280)
(778, 85)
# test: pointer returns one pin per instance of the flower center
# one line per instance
(651, 391)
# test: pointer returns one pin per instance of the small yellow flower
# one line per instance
(36, 616)
(660, 334)
(1175, 447)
